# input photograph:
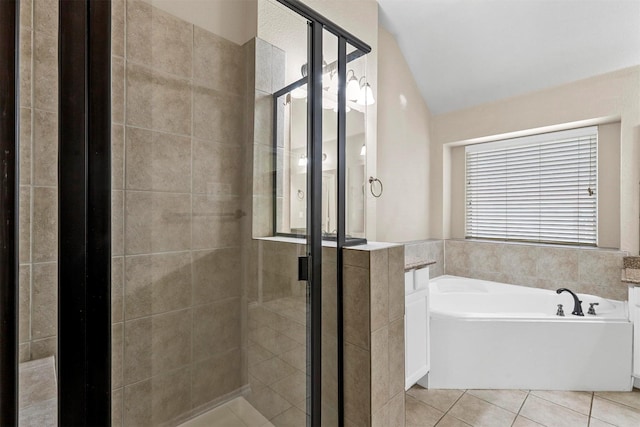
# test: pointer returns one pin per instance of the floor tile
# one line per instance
(247, 413)
(451, 421)
(629, 398)
(594, 422)
(579, 401)
(271, 370)
(292, 387)
(219, 417)
(614, 413)
(292, 417)
(418, 414)
(525, 422)
(550, 414)
(268, 402)
(511, 400)
(439, 399)
(479, 413)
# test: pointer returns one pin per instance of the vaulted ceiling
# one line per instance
(464, 53)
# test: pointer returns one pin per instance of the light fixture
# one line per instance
(353, 88)
(299, 93)
(363, 150)
(366, 94)
(302, 161)
(347, 108)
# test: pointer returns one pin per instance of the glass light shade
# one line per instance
(353, 89)
(347, 108)
(299, 93)
(366, 95)
(363, 150)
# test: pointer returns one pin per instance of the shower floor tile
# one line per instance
(521, 408)
(236, 413)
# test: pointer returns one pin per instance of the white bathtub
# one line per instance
(487, 335)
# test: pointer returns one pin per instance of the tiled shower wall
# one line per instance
(179, 205)
(38, 178)
(584, 270)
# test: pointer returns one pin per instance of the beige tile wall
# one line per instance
(178, 174)
(374, 336)
(426, 251)
(38, 226)
(584, 270)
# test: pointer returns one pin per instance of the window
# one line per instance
(540, 188)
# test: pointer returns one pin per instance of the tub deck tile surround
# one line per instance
(521, 408)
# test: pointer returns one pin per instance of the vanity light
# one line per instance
(363, 150)
(347, 109)
(353, 88)
(366, 95)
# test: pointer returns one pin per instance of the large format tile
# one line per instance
(45, 71)
(117, 289)
(357, 386)
(157, 344)
(44, 300)
(267, 402)
(157, 283)
(292, 417)
(396, 283)
(419, 414)
(117, 355)
(396, 357)
(45, 16)
(216, 275)
(216, 328)
(247, 413)
(217, 168)
(44, 228)
(25, 224)
(24, 309)
(217, 63)
(37, 382)
(45, 148)
(26, 133)
(292, 387)
(579, 401)
(614, 413)
(450, 421)
(157, 222)
(626, 398)
(216, 221)
(217, 116)
(157, 161)
(271, 370)
(525, 422)
(379, 367)
(379, 285)
(157, 400)
(217, 376)
(117, 157)
(117, 89)
(548, 413)
(356, 306)
(156, 101)
(26, 72)
(117, 27)
(439, 399)
(158, 39)
(479, 413)
(511, 400)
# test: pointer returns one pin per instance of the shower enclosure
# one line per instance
(143, 171)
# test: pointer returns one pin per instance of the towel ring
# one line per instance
(373, 193)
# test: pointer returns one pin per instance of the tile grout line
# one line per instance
(521, 406)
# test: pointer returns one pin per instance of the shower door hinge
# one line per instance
(303, 268)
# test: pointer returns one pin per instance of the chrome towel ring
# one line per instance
(373, 180)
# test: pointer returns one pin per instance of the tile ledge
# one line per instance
(416, 265)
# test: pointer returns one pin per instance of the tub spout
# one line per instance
(577, 304)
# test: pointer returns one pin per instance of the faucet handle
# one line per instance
(560, 311)
(592, 309)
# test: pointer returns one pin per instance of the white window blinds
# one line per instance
(534, 189)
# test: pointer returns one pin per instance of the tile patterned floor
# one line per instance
(521, 408)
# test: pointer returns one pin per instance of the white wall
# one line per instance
(602, 99)
(403, 148)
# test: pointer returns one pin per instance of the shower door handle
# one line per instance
(303, 268)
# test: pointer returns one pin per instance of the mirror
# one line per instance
(291, 161)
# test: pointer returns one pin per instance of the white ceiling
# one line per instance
(468, 52)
